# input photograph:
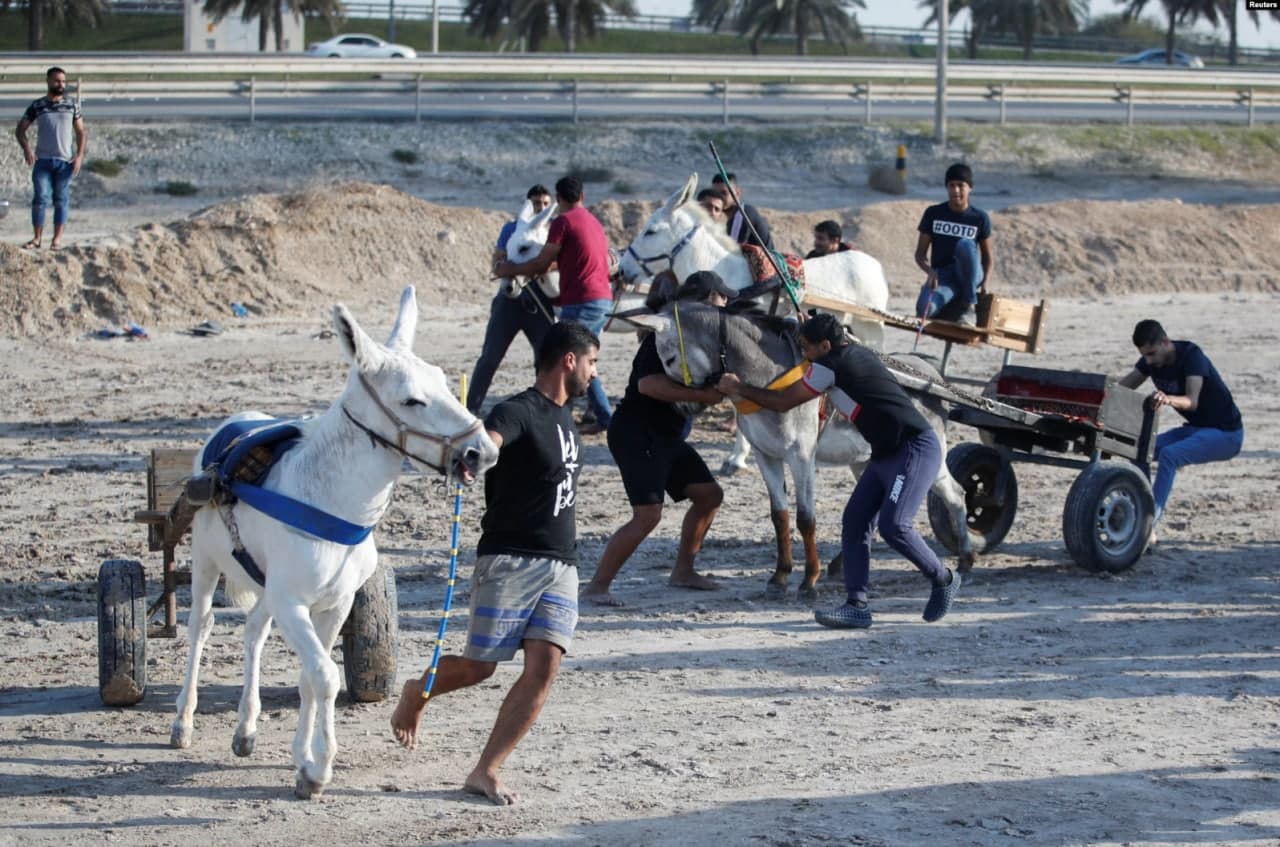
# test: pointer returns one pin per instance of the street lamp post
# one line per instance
(940, 106)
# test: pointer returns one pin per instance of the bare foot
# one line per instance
(408, 714)
(491, 787)
(601, 598)
(695, 581)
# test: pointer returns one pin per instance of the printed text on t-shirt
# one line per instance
(955, 230)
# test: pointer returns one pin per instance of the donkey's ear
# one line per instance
(357, 347)
(541, 219)
(683, 195)
(401, 337)
(526, 211)
(652, 323)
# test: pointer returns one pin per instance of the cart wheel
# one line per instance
(122, 632)
(1107, 517)
(989, 514)
(369, 639)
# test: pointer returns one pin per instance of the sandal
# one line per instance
(31, 245)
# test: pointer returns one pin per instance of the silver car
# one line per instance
(360, 46)
(1158, 56)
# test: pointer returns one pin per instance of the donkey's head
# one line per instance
(528, 239)
(664, 234)
(404, 404)
(691, 339)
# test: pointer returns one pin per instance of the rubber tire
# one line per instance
(1116, 491)
(122, 632)
(975, 467)
(369, 639)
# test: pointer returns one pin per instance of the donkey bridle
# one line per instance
(713, 378)
(448, 444)
(670, 257)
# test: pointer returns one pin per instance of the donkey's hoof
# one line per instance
(180, 737)
(729, 469)
(242, 745)
(305, 788)
(807, 594)
(775, 591)
(965, 562)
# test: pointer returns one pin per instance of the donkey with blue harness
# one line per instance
(287, 512)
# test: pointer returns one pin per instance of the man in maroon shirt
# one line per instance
(578, 245)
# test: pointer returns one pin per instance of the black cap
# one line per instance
(701, 284)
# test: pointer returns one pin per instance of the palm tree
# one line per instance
(533, 20)
(1023, 19)
(834, 19)
(714, 13)
(68, 13)
(1176, 11)
(1230, 13)
(270, 14)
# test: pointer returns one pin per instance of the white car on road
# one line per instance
(359, 46)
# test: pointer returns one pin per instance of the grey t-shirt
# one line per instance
(55, 127)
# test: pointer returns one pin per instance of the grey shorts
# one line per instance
(519, 597)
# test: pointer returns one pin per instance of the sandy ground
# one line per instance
(1052, 707)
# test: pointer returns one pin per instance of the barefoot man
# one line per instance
(647, 441)
(524, 590)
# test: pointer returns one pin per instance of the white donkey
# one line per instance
(707, 342)
(395, 406)
(527, 241)
(680, 236)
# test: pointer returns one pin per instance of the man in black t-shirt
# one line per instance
(1187, 382)
(954, 249)
(524, 590)
(647, 441)
(905, 458)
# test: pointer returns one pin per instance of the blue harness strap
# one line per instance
(229, 448)
(301, 515)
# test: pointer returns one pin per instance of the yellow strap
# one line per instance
(788, 379)
(684, 363)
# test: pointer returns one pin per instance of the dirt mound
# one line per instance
(278, 254)
(1078, 248)
(297, 253)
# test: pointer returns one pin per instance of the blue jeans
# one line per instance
(894, 487)
(593, 314)
(508, 316)
(957, 281)
(1190, 445)
(51, 179)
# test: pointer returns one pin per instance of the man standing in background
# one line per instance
(55, 159)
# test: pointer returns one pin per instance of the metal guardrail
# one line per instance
(862, 83)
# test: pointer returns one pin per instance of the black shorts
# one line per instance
(652, 464)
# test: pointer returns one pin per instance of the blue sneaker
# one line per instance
(941, 597)
(847, 616)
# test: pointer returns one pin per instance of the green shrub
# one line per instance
(405, 157)
(177, 188)
(623, 187)
(107, 167)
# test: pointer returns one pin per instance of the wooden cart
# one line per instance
(126, 620)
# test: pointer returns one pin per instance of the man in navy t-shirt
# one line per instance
(1187, 382)
(905, 458)
(530, 312)
(954, 249)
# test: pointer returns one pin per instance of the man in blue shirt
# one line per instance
(1187, 382)
(954, 249)
(531, 313)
